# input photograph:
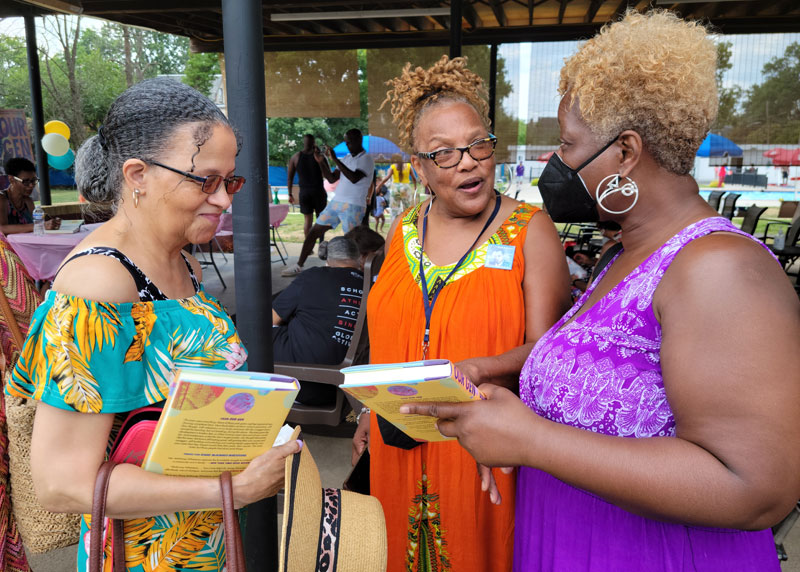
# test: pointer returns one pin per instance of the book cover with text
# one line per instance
(217, 420)
(385, 387)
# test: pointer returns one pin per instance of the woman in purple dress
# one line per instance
(659, 418)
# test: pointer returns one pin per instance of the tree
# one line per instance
(65, 95)
(200, 72)
(771, 110)
(14, 90)
(729, 97)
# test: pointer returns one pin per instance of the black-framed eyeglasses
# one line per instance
(26, 181)
(210, 184)
(449, 158)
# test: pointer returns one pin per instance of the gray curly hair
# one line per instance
(139, 124)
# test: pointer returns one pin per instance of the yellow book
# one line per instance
(385, 387)
(217, 420)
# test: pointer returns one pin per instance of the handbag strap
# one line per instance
(117, 530)
(233, 536)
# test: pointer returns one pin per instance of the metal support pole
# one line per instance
(37, 112)
(455, 28)
(244, 67)
(493, 84)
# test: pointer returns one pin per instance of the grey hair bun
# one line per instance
(139, 124)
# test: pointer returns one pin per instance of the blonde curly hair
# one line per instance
(653, 73)
(415, 91)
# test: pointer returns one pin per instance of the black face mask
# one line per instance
(564, 193)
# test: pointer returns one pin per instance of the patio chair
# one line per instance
(714, 199)
(277, 214)
(358, 353)
(729, 205)
(751, 219)
(777, 223)
(791, 250)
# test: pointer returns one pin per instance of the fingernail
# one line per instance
(405, 409)
(484, 486)
(300, 444)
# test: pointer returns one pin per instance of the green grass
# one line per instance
(63, 196)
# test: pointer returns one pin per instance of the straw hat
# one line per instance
(350, 538)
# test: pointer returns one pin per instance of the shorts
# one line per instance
(349, 215)
(313, 201)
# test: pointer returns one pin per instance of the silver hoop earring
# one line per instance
(630, 188)
(136, 193)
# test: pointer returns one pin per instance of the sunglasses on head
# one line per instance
(210, 184)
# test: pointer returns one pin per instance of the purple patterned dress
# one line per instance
(602, 373)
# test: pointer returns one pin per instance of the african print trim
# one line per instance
(427, 549)
(507, 232)
(330, 520)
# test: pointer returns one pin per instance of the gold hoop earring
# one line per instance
(136, 197)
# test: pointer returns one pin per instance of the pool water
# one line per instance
(749, 197)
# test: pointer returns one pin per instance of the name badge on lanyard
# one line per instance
(500, 256)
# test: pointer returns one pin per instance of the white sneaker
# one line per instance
(291, 271)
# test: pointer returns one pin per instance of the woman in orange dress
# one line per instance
(496, 279)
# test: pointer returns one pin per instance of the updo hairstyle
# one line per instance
(139, 125)
(653, 73)
(415, 91)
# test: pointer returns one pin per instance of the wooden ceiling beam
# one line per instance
(620, 9)
(471, 16)
(499, 13)
(561, 9)
(102, 7)
(420, 23)
(591, 12)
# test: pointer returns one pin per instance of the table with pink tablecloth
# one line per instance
(42, 255)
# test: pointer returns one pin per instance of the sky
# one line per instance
(534, 68)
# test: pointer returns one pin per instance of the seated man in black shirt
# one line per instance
(315, 316)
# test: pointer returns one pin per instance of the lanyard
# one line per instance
(429, 303)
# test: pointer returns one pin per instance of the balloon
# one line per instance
(62, 162)
(57, 126)
(55, 144)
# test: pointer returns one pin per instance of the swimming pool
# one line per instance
(750, 197)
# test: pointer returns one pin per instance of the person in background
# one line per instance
(312, 197)
(403, 181)
(354, 173)
(16, 204)
(485, 317)
(125, 310)
(380, 207)
(785, 175)
(314, 317)
(655, 429)
(519, 178)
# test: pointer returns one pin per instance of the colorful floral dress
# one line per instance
(437, 517)
(94, 357)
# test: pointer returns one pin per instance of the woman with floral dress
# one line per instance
(125, 310)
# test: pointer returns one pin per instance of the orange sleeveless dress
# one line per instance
(437, 517)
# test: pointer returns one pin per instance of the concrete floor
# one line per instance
(330, 446)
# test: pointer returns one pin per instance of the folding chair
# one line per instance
(277, 214)
(358, 353)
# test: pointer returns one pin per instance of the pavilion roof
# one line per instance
(290, 25)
